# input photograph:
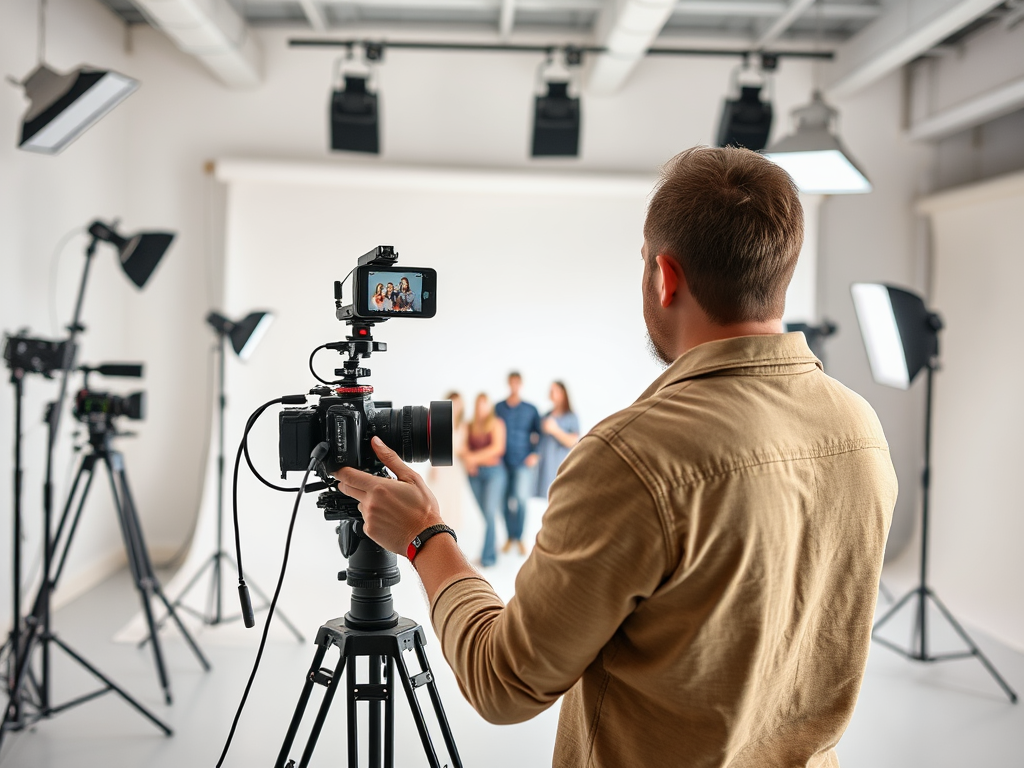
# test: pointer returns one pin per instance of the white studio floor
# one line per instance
(949, 715)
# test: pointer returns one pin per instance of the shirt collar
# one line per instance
(741, 355)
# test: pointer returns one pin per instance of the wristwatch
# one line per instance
(417, 544)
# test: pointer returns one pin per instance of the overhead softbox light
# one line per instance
(746, 121)
(900, 334)
(64, 106)
(814, 156)
(140, 253)
(556, 122)
(355, 118)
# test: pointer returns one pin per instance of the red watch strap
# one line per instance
(417, 543)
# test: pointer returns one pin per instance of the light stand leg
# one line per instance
(919, 650)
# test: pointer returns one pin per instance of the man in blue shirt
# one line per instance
(522, 425)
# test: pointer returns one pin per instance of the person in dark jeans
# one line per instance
(522, 426)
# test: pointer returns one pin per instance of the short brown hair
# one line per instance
(733, 221)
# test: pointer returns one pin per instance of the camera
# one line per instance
(102, 406)
(346, 416)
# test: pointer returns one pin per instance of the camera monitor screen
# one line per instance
(396, 291)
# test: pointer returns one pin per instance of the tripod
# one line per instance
(214, 610)
(922, 593)
(29, 695)
(370, 629)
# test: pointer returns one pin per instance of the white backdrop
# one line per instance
(978, 510)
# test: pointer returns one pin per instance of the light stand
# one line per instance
(901, 336)
(244, 336)
(139, 256)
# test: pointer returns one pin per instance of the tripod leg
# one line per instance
(389, 715)
(146, 566)
(374, 714)
(353, 718)
(414, 705)
(112, 686)
(300, 708)
(143, 584)
(973, 646)
(895, 609)
(325, 705)
(435, 699)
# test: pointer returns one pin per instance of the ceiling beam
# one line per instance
(314, 14)
(626, 28)
(793, 11)
(905, 30)
(770, 9)
(213, 32)
(506, 19)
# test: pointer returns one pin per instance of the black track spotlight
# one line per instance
(747, 115)
(355, 109)
(746, 121)
(556, 116)
(140, 253)
(63, 107)
(245, 334)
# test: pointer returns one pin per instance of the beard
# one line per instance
(656, 352)
(657, 333)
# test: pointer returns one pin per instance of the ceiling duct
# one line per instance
(626, 30)
(213, 32)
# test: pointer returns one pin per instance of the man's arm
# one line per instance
(600, 552)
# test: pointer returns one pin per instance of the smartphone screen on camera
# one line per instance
(395, 291)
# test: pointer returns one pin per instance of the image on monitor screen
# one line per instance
(394, 292)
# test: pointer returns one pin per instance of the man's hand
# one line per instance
(531, 460)
(394, 511)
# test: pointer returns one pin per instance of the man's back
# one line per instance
(707, 571)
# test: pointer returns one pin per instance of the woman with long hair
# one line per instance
(449, 483)
(378, 297)
(560, 431)
(405, 295)
(482, 453)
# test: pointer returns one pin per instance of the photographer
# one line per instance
(703, 584)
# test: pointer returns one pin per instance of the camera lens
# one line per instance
(439, 429)
(416, 433)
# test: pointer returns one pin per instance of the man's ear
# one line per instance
(671, 274)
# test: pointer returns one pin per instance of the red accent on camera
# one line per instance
(364, 389)
(411, 552)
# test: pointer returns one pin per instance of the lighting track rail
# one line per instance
(510, 48)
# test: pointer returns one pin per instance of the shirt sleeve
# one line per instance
(600, 552)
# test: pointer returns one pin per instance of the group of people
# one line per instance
(509, 453)
(387, 299)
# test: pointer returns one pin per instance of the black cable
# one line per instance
(318, 454)
(244, 447)
(315, 376)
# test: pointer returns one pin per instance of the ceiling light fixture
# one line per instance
(814, 156)
(355, 108)
(63, 106)
(747, 119)
(556, 115)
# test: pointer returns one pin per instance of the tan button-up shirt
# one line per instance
(703, 584)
